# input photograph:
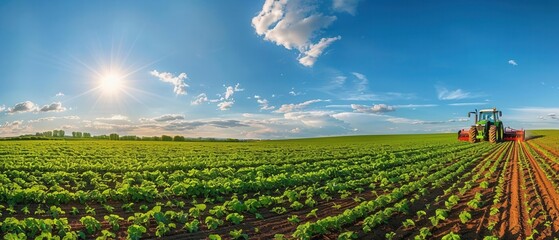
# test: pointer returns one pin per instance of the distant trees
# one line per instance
(179, 138)
(116, 136)
(58, 133)
(113, 136)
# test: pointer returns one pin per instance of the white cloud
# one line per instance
(13, 128)
(2, 108)
(264, 104)
(229, 92)
(293, 24)
(377, 108)
(467, 104)
(22, 107)
(113, 120)
(315, 119)
(168, 117)
(415, 105)
(528, 114)
(225, 105)
(53, 107)
(238, 88)
(54, 118)
(177, 81)
(201, 98)
(513, 62)
(445, 94)
(59, 94)
(293, 93)
(309, 57)
(363, 81)
(285, 108)
(349, 6)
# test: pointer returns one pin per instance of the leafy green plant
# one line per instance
(162, 229)
(465, 216)
(91, 224)
(192, 226)
(214, 237)
(312, 213)
(279, 210)
(114, 221)
(296, 205)
(408, 223)
(451, 236)
(390, 235)
(213, 223)
(55, 211)
(347, 235)
(135, 231)
(235, 218)
(238, 234)
(294, 219)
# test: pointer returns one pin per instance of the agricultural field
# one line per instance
(360, 187)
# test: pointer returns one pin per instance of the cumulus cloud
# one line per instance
(229, 91)
(285, 108)
(377, 108)
(293, 24)
(177, 81)
(53, 107)
(201, 98)
(513, 62)
(446, 94)
(264, 104)
(349, 6)
(22, 107)
(59, 94)
(2, 108)
(225, 105)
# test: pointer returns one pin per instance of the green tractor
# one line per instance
(488, 127)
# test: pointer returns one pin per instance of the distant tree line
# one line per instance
(59, 134)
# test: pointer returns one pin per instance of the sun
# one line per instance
(111, 83)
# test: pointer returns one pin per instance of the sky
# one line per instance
(275, 69)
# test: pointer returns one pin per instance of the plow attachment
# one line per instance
(463, 135)
(513, 135)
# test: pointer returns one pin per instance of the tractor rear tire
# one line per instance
(493, 134)
(473, 134)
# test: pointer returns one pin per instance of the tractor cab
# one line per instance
(489, 115)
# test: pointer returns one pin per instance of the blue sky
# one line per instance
(275, 69)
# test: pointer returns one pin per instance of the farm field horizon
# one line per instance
(427, 186)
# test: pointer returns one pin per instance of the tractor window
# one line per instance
(486, 116)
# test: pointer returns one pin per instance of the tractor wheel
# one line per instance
(473, 134)
(500, 134)
(493, 134)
